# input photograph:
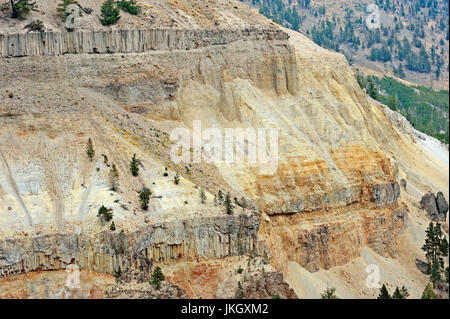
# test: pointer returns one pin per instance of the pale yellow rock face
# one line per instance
(333, 196)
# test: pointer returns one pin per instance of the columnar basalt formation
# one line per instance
(191, 239)
(124, 41)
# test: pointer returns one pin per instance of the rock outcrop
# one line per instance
(125, 41)
(435, 206)
(133, 290)
(190, 239)
(266, 286)
(442, 205)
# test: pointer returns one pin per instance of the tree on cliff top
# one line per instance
(109, 13)
(20, 8)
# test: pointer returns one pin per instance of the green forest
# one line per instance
(427, 110)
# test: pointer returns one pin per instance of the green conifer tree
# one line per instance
(90, 149)
(134, 165)
(108, 13)
(384, 293)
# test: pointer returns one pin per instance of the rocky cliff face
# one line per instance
(124, 41)
(204, 237)
(340, 155)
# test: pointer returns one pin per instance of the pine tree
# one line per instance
(20, 8)
(144, 197)
(400, 293)
(90, 149)
(105, 213)
(428, 292)
(435, 273)
(157, 277)
(220, 197)
(384, 293)
(134, 165)
(109, 14)
(202, 196)
(436, 248)
(329, 293)
(371, 88)
(228, 204)
(114, 177)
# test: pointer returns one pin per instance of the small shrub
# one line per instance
(129, 6)
(240, 270)
(113, 226)
(176, 179)
(329, 293)
(36, 25)
(105, 213)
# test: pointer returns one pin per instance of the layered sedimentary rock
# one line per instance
(334, 191)
(255, 81)
(323, 240)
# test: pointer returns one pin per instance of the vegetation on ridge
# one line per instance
(425, 109)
